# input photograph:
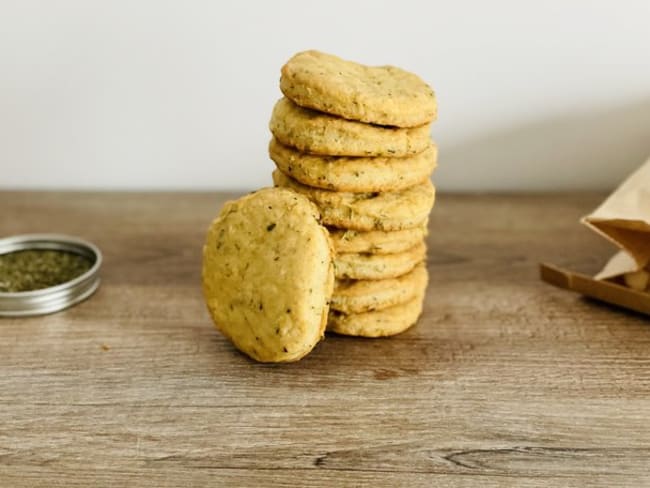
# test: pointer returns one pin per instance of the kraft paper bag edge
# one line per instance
(624, 219)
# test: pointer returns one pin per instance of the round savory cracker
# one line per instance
(355, 266)
(388, 211)
(379, 323)
(268, 274)
(318, 133)
(354, 174)
(383, 95)
(376, 241)
(358, 296)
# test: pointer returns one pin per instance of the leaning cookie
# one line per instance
(376, 241)
(387, 211)
(354, 174)
(380, 323)
(319, 133)
(268, 275)
(378, 266)
(383, 95)
(358, 296)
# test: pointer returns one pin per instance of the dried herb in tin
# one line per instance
(39, 268)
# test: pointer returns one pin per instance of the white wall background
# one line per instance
(177, 94)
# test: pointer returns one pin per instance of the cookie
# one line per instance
(354, 174)
(355, 266)
(376, 241)
(383, 95)
(267, 274)
(379, 323)
(358, 296)
(403, 209)
(319, 133)
(637, 280)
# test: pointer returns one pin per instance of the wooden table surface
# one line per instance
(505, 381)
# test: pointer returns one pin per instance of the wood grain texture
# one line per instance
(505, 381)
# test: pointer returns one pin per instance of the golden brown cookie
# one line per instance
(376, 241)
(378, 266)
(268, 274)
(354, 174)
(383, 95)
(637, 280)
(403, 209)
(319, 133)
(380, 323)
(352, 296)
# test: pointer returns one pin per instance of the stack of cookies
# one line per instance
(356, 141)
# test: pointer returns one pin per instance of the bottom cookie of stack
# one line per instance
(376, 308)
(379, 323)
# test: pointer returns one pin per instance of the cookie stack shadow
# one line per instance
(362, 152)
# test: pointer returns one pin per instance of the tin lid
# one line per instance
(53, 298)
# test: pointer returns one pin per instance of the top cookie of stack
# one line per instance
(356, 141)
(383, 95)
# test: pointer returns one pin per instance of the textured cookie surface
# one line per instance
(378, 266)
(376, 241)
(354, 174)
(379, 323)
(403, 209)
(351, 296)
(319, 133)
(383, 95)
(267, 274)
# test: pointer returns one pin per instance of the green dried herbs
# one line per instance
(39, 268)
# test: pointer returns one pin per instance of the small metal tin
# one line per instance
(54, 298)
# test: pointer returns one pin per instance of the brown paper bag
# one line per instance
(624, 219)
